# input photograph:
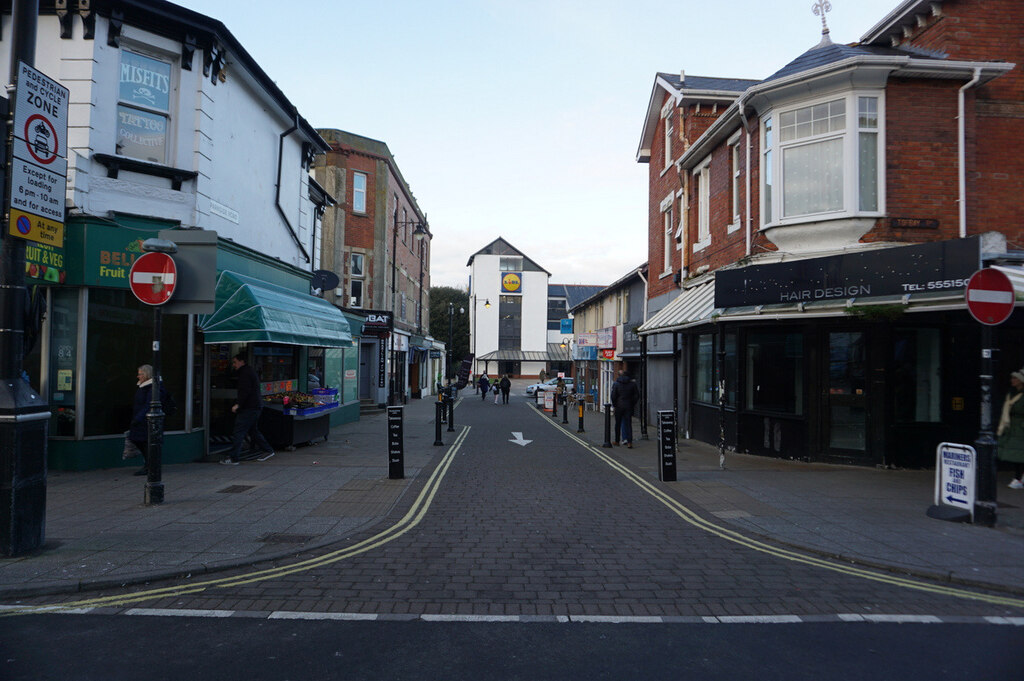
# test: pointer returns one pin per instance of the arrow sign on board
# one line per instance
(953, 500)
(518, 439)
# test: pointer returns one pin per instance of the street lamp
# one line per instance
(451, 314)
(420, 231)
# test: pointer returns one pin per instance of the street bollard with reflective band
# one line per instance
(396, 444)
(580, 429)
(438, 417)
(607, 426)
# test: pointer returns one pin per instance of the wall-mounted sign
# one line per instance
(585, 340)
(606, 337)
(512, 282)
(607, 353)
(378, 323)
(566, 326)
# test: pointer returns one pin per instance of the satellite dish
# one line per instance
(323, 280)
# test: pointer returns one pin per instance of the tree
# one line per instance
(440, 297)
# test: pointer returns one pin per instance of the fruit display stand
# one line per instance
(286, 426)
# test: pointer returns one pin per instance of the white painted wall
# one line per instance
(228, 132)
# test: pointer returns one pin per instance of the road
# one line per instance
(555, 562)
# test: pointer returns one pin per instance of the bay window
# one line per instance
(822, 159)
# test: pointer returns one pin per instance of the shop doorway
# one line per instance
(844, 413)
(367, 370)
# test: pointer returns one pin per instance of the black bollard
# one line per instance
(580, 429)
(554, 407)
(451, 414)
(438, 415)
(565, 411)
(607, 426)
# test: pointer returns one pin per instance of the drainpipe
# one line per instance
(746, 131)
(277, 195)
(643, 365)
(962, 152)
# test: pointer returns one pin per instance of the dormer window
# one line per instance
(823, 160)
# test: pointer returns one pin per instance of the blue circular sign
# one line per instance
(24, 225)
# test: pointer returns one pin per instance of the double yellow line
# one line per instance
(411, 519)
(737, 538)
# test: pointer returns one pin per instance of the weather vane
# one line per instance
(819, 8)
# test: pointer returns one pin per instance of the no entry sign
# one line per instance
(990, 296)
(152, 278)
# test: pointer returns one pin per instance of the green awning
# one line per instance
(253, 311)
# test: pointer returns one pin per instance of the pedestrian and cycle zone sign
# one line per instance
(954, 476)
(39, 165)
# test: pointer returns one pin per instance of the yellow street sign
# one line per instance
(35, 228)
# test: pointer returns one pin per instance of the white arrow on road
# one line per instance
(518, 439)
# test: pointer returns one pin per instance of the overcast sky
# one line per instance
(520, 118)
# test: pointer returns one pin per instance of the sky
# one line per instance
(520, 119)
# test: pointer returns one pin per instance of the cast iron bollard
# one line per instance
(438, 417)
(580, 405)
(554, 407)
(396, 444)
(607, 426)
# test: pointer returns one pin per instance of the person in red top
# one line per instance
(247, 413)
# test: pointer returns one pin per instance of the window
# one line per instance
(917, 374)
(666, 216)
(704, 389)
(359, 192)
(774, 372)
(668, 139)
(828, 161)
(356, 272)
(143, 109)
(356, 289)
(510, 322)
(356, 264)
(509, 264)
(702, 182)
(734, 169)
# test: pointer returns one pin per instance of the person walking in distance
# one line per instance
(138, 430)
(247, 413)
(625, 395)
(506, 386)
(1011, 429)
(484, 386)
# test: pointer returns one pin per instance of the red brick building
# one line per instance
(377, 240)
(811, 235)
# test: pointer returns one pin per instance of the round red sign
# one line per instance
(153, 278)
(990, 296)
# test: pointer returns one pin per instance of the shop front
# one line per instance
(95, 334)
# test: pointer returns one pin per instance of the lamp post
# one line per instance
(420, 230)
(473, 313)
(451, 338)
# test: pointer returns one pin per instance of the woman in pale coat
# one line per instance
(1011, 429)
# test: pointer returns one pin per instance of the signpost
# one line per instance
(153, 278)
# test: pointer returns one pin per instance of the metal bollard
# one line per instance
(438, 415)
(565, 411)
(451, 415)
(580, 429)
(607, 426)
(554, 407)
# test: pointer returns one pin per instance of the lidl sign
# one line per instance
(512, 282)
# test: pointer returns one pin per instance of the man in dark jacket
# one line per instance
(247, 413)
(506, 386)
(625, 395)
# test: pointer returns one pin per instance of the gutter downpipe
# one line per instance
(277, 194)
(962, 153)
(746, 131)
(643, 365)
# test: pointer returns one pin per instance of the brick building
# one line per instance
(377, 240)
(811, 236)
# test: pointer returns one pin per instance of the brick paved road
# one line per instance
(551, 529)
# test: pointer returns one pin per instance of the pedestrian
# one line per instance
(506, 388)
(138, 430)
(485, 385)
(1011, 429)
(497, 391)
(246, 408)
(625, 395)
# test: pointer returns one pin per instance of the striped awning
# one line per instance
(691, 307)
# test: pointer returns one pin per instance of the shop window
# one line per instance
(277, 367)
(63, 381)
(119, 340)
(916, 376)
(704, 375)
(775, 373)
(143, 109)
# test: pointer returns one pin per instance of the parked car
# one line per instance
(549, 384)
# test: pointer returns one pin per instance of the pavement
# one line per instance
(100, 534)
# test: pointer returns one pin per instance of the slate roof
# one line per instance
(573, 293)
(830, 53)
(736, 85)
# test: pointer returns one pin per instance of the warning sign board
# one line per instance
(153, 278)
(39, 166)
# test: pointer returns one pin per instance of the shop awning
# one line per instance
(253, 311)
(555, 353)
(691, 307)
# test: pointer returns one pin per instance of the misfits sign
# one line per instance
(936, 266)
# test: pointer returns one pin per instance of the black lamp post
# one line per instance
(154, 491)
(420, 231)
(451, 338)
